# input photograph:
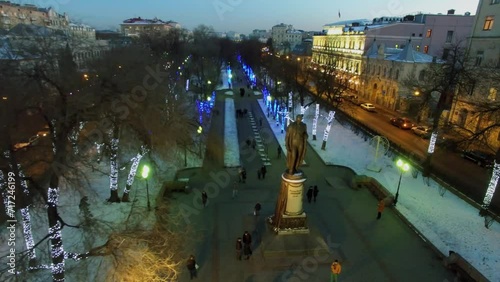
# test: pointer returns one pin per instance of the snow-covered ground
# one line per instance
(447, 221)
(231, 145)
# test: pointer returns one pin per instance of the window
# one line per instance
(418, 48)
(488, 23)
(429, 33)
(495, 2)
(449, 36)
(426, 49)
(397, 75)
(446, 53)
(479, 58)
(421, 75)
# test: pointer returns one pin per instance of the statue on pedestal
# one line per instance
(296, 144)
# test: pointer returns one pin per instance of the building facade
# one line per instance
(386, 69)
(484, 55)
(348, 47)
(278, 35)
(135, 26)
(12, 14)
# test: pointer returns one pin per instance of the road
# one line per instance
(464, 175)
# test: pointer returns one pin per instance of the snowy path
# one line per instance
(231, 146)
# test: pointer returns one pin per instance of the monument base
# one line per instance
(289, 224)
(373, 166)
(295, 245)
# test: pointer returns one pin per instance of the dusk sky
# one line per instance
(243, 16)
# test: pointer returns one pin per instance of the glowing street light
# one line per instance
(209, 98)
(200, 129)
(145, 174)
(403, 167)
(209, 82)
(269, 98)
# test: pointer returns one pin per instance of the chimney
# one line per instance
(451, 12)
(467, 13)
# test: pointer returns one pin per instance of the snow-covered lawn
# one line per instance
(230, 93)
(447, 221)
(231, 145)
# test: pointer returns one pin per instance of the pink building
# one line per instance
(440, 32)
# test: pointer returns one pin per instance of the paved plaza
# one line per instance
(342, 218)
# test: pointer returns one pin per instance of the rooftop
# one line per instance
(139, 20)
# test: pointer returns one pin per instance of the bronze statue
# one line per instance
(296, 138)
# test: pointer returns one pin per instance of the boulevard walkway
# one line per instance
(369, 250)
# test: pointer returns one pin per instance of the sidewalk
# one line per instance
(369, 250)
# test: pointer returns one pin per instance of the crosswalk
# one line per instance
(261, 147)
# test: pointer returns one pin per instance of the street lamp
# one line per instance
(403, 167)
(200, 130)
(145, 174)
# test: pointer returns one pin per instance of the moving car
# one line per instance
(24, 145)
(368, 106)
(422, 131)
(402, 122)
(480, 158)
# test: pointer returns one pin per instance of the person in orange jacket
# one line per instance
(336, 269)
(380, 208)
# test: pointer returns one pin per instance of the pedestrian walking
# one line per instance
(263, 170)
(309, 194)
(259, 174)
(192, 267)
(239, 248)
(380, 209)
(235, 190)
(244, 175)
(240, 174)
(254, 143)
(247, 245)
(204, 198)
(257, 209)
(315, 193)
(336, 269)
(260, 122)
(248, 142)
(279, 152)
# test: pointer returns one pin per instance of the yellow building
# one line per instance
(385, 72)
(484, 54)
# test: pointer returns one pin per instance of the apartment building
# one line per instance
(12, 14)
(135, 26)
(483, 55)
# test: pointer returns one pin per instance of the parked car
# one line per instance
(25, 144)
(402, 122)
(422, 131)
(480, 158)
(368, 106)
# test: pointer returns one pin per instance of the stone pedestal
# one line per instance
(289, 216)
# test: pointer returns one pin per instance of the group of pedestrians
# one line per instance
(312, 193)
(244, 246)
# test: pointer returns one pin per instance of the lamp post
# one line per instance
(403, 167)
(200, 130)
(145, 174)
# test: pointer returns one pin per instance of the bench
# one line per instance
(463, 269)
(180, 186)
(377, 189)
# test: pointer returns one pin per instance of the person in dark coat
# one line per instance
(380, 208)
(254, 143)
(259, 174)
(239, 248)
(309, 194)
(204, 198)
(247, 245)
(260, 122)
(191, 266)
(244, 175)
(279, 152)
(315, 193)
(257, 209)
(263, 170)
